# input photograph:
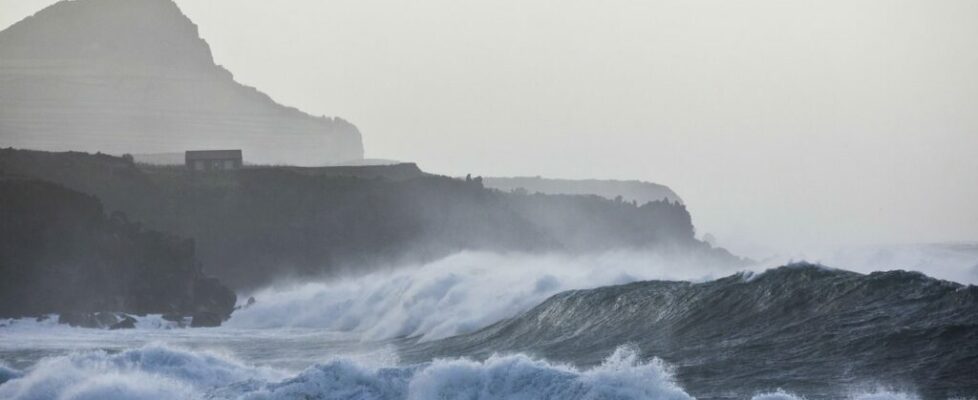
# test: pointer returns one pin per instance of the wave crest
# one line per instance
(454, 295)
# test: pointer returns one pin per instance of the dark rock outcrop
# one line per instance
(59, 253)
(210, 295)
(127, 322)
(173, 317)
(205, 319)
(76, 319)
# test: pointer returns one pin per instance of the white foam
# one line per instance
(153, 371)
(776, 395)
(50, 322)
(883, 395)
(622, 376)
(159, 372)
(879, 394)
(21, 324)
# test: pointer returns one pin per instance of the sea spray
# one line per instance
(458, 294)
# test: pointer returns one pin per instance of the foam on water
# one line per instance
(50, 323)
(870, 395)
(151, 372)
(162, 372)
(776, 395)
(22, 324)
(457, 294)
(158, 372)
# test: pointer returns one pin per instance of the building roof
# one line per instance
(213, 154)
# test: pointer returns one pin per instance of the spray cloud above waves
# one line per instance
(470, 290)
(456, 294)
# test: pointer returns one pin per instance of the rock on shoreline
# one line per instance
(60, 254)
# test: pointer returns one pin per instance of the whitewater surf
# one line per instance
(164, 372)
(802, 331)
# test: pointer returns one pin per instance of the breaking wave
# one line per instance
(811, 330)
(793, 325)
(161, 372)
(454, 295)
(157, 372)
(151, 372)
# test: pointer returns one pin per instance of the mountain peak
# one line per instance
(147, 33)
(134, 76)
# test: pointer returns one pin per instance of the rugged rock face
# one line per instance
(133, 76)
(59, 253)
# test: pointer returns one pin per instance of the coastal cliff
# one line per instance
(60, 253)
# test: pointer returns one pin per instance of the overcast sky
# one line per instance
(787, 123)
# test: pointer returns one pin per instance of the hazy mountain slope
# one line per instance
(133, 76)
(641, 192)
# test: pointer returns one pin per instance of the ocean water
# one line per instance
(154, 371)
(218, 363)
(489, 326)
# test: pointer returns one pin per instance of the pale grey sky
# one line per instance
(786, 123)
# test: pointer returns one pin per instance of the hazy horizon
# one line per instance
(790, 125)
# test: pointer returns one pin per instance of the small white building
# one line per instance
(213, 160)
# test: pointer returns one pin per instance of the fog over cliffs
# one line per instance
(638, 191)
(134, 76)
(258, 224)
